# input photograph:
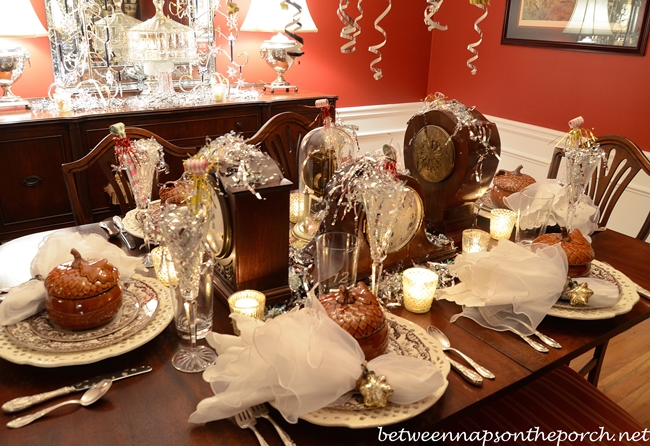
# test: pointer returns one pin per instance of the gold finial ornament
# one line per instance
(374, 389)
(578, 294)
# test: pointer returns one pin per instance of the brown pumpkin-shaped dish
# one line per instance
(83, 294)
(358, 312)
(578, 250)
(506, 183)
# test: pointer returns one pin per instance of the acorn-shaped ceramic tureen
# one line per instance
(507, 183)
(578, 250)
(358, 312)
(83, 293)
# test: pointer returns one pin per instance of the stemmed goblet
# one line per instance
(147, 159)
(183, 228)
(382, 202)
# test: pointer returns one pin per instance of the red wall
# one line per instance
(540, 86)
(323, 67)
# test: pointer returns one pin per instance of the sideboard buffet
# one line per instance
(33, 145)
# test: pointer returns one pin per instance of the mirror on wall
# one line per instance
(88, 40)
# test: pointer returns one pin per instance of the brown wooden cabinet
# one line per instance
(33, 145)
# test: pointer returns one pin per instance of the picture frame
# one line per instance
(609, 26)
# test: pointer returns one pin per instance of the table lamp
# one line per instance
(280, 51)
(18, 19)
(590, 18)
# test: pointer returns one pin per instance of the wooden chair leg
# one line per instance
(595, 365)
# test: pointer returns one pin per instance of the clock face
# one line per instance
(434, 155)
(219, 236)
(408, 222)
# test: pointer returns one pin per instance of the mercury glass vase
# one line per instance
(580, 166)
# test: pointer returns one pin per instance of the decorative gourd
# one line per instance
(577, 248)
(358, 312)
(506, 183)
(82, 293)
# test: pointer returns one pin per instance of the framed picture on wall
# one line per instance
(587, 25)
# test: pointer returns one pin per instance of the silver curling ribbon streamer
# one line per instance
(432, 7)
(375, 48)
(291, 28)
(471, 47)
(351, 28)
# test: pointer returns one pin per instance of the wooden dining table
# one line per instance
(153, 408)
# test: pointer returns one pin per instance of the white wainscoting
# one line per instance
(521, 143)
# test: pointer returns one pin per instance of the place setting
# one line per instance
(509, 285)
(63, 318)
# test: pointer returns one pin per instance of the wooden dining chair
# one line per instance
(560, 402)
(281, 137)
(623, 161)
(103, 155)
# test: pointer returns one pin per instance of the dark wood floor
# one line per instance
(625, 376)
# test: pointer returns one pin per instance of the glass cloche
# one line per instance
(161, 39)
(114, 31)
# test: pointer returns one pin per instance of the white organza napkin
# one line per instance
(303, 361)
(586, 216)
(509, 287)
(28, 298)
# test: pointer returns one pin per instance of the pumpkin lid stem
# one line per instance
(345, 296)
(76, 263)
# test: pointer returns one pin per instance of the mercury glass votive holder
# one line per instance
(419, 288)
(164, 266)
(475, 240)
(502, 221)
(249, 303)
(298, 202)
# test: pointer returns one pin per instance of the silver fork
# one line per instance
(262, 411)
(246, 420)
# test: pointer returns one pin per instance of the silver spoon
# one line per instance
(92, 395)
(446, 346)
(109, 227)
(470, 375)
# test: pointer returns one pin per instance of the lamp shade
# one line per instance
(589, 18)
(269, 16)
(19, 19)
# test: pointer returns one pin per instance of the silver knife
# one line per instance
(18, 404)
(128, 239)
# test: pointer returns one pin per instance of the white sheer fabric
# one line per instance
(586, 216)
(303, 361)
(28, 298)
(510, 286)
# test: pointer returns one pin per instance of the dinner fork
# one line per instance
(246, 420)
(262, 411)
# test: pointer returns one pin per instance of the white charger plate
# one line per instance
(13, 352)
(414, 341)
(131, 223)
(629, 297)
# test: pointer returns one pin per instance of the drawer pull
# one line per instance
(32, 181)
(239, 125)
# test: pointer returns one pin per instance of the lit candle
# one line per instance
(501, 223)
(475, 240)
(63, 101)
(419, 287)
(298, 202)
(249, 303)
(164, 266)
